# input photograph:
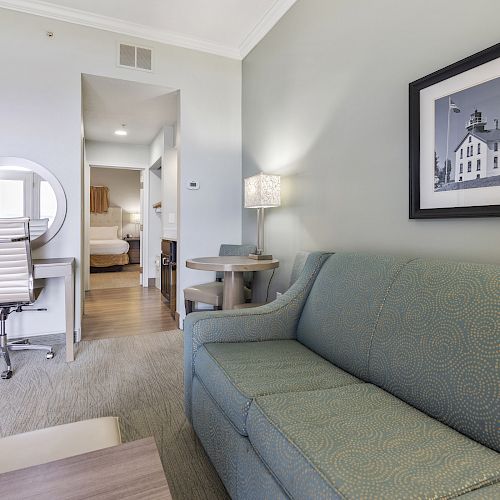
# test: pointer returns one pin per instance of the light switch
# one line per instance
(171, 218)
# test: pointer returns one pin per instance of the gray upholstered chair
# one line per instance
(298, 265)
(212, 293)
(16, 284)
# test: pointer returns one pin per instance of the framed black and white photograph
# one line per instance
(455, 140)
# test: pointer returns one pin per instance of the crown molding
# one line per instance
(264, 26)
(84, 18)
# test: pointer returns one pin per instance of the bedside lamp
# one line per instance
(262, 191)
(135, 218)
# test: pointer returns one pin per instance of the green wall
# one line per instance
(325, 104)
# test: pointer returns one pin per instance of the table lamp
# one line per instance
(262, 191)
(135, 218)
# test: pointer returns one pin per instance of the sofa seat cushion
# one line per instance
(490, 492)
(359, 441)
(235, 373)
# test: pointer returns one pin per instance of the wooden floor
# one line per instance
(119, 312)
(128, 277)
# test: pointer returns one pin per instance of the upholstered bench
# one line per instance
(54, 443)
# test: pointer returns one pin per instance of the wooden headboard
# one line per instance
(113, 217)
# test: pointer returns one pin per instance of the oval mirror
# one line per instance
(29, 190)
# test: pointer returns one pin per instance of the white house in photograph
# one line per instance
(477, 155)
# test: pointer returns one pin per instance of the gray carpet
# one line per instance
(138, 379)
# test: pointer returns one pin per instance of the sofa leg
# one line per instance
(189, 305)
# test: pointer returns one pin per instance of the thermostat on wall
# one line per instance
(193, 185)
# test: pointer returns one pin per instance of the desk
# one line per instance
(127, 471)
(61, 268)
(233, 268)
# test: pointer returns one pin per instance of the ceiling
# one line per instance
(225, 27)
(108, 103)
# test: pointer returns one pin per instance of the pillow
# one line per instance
(104, 233)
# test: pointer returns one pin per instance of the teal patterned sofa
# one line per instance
(372, 377)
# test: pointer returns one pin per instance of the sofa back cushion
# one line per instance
(339, 317)
(437, 345)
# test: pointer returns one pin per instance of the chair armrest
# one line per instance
(274, 321)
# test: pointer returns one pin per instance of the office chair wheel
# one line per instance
(6, 374)
(50, 355)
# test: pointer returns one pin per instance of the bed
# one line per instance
(106, 249)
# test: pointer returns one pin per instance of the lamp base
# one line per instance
(260, 257)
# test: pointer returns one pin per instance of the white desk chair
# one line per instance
(16, 284)
(38, 227)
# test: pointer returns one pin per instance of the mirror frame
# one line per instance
(13, 161)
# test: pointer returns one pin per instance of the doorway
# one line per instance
(115, 228)
(128, 129)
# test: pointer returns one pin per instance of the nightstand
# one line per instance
(134, 252)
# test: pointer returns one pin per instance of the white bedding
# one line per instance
(103, 232)
(108, 247)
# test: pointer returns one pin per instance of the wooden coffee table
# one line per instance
(128, 471)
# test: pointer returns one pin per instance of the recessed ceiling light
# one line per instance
(121, 131)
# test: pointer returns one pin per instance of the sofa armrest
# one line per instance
(274, 321)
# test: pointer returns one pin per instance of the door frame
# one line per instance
(144, 216)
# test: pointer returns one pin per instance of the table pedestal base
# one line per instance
(234, 292)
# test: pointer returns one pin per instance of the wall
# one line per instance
(40, 99)
(164, 139)
(124, 191)
(154, 226)
(324, 90)
(111, 155)
(169, 193)
(117, 155)
(157, 152)
(163, 146)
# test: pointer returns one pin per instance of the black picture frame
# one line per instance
(415, 88)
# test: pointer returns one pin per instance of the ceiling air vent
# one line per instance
(143, 58)
(134, 57)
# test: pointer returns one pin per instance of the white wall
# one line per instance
(124, 191)
(112, 155)
(326, 88)
(156, 147)
(154, 226)
(163, 146)
(117, 155)
(40, 102)
(157, 152)
(169, 193)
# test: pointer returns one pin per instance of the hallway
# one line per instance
(120, 312)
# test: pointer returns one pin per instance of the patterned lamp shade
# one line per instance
(135, 218)
(262, 191)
